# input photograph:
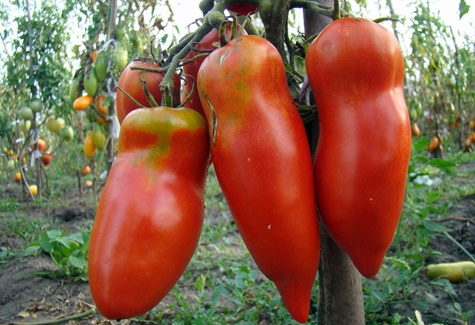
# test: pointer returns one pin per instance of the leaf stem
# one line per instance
(452, 239)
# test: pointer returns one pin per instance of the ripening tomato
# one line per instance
(102, 104)
(83, 102)
(89, 147)
(150, 213)
(356, 71)
(130, 82)
(262, 159)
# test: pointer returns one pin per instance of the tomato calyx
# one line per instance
(223, 38)
(165, 87)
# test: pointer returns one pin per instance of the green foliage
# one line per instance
(439, 77)
(463, 8)
(37, 66)
(69, 252)
(430, 196)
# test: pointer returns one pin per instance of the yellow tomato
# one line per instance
(34, 190)
(89, 146)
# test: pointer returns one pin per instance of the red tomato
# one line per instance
(46, 159)
(356, 71)
(243, 9)
(130, 81)
(150, 213)
(262, 159)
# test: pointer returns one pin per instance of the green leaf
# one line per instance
(463, 8)
(77, 238)
(217, 293)
(434, 226)
(53, 234)
(433, 196)
(441, 163)
(400, 264)
(46, 243)
(78, 261)
(64, 241)
(420, 144)
(32, 248)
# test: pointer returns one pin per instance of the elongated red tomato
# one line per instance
(150, 213)
(262, 160)
(356, 70)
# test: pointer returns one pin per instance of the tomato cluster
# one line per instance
(246, 123)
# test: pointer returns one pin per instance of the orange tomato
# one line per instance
(415, 130)
(81, 103)
(41, 145)
(94, 56)
(17, 177)
(434, 143)
(85, 170)
(101, 120)
(102, 105)
(89, 146)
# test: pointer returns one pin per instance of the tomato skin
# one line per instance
(190, 70)
(262, 161)
(356, 70)
(130, 82)
(150, 213)
(89, 147)
(83, 102)
(243, 9)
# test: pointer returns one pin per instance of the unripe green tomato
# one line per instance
(26, 113)
(98, 136)
(100, 66)
(36, 105)
(66, 133)
(121, 57)
(73, 90)
(91, 83)
(120, 33)
(24, 125)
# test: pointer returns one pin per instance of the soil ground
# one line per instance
(26, 297)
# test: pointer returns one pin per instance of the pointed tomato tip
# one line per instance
(296, 298)
(368, 266)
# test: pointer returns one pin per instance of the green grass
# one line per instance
(401, 280)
